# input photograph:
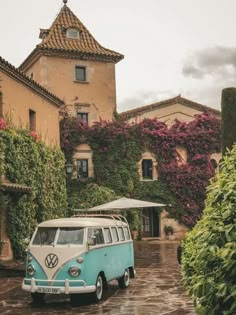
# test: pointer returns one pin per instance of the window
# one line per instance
(32, 120)
(68, 235)
(72, 33)
(83, 116)
(45, 236)
(80, 73)
(114, 234)
(127, 234)
(97, 235)
(82, 168)
(121, 234)
(147, 169)
(107, 234)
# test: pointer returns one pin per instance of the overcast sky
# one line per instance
(171, 47)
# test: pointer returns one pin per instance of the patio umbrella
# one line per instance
(125, 203)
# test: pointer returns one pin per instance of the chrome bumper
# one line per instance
(66, 289)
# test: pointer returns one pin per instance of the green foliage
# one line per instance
(31, 163)
(89, 195)
(209, 259)
(168, 229)
(118, 147)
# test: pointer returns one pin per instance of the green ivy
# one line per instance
(118, 146)
(28, 162)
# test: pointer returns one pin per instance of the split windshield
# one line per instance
(59, 236)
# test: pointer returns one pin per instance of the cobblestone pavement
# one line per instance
(156, 289)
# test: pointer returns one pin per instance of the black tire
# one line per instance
(98, 294)
(124, 280)
(37, 298)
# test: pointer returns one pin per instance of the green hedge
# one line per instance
(209, 259)
(28, 161)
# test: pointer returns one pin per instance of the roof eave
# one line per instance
(64, 53)
(19, 76)
(183, 101)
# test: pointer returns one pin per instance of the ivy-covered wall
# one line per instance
(117, 148)
(27, 161)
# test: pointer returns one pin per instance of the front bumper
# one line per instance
(48, 288)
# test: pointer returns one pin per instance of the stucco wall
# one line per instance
(168, 114)
(19, 99)
(97, 96)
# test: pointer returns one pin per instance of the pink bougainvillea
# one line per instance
(3, 124)
(118, 146)
(35, 135)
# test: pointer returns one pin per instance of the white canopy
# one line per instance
(125, 203)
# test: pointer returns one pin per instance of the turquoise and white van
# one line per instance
(77, 255)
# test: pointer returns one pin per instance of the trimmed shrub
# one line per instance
(25, 160)
(209, 250)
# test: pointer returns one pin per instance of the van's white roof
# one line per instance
(81, 222)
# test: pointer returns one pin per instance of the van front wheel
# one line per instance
(124, 280)
(98, 294)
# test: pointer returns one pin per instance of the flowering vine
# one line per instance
(35, 135)
(3, 124)
(118, 146)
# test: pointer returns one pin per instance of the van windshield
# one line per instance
(59, 236)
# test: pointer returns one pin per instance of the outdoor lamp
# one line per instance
(69, 168)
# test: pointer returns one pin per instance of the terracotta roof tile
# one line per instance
(175, 100)
(56, 42)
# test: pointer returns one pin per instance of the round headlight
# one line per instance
(74, 271)
(31, 270)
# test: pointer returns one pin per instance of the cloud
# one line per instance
(144, 98)
(216, 61)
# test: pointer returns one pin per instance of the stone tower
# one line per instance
(70, 63)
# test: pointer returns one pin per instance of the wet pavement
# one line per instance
(156, 289)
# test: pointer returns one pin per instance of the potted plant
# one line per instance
(133, 218)
(169, 231)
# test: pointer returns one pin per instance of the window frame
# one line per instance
(92, 232)
(147, 171)
(32, 120)
(121, 234)
(107, 235)
(115, 239)
(84, 74)
(83, 115)
(77, 167)
(69, 33)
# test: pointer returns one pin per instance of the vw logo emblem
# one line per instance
(51, 260)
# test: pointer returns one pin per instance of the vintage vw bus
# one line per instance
(79, 255)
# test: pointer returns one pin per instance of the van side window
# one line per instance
(127, 234)
(107, 234)
(121, 234)
(114, 234)
(96, 234)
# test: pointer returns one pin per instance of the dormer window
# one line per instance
(72, 33)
